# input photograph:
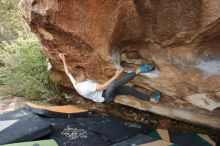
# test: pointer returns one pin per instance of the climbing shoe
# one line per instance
(156, 97)
(147, 68)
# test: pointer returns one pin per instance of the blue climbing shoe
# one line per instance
(156, 97)
(147, 68)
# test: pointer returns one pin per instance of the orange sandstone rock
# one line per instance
(182, 38)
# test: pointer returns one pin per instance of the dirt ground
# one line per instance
(8, 104)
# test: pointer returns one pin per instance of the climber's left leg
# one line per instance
(126, 90)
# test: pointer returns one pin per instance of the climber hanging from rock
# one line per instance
(109, 90)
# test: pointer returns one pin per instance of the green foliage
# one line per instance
(12, 25)
(24, 71)
(23, 65)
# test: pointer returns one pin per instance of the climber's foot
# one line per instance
(146, 68)
(156, 98)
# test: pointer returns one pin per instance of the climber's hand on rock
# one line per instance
(62, 57)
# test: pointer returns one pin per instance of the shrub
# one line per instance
(23, 70)
(12, 25)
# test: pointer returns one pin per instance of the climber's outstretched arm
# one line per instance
(62, 57)
(104, 86)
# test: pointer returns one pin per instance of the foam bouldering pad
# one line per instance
(184, 138)
(21, 125)
(56, 111)
(67, 132)
(159, 143)
(142, 139)
(35, 143)
(113, 129)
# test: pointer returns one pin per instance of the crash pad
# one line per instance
(142, 139)
(158, 143)
(67, 132)
(113, 129)
(21, 125)
(56, 111)
(184, 138)
(35, 143)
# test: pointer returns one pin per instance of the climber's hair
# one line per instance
(77, 71)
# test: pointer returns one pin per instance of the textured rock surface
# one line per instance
(181, 37)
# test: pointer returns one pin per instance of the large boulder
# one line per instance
(182, 38)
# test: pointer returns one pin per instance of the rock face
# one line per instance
(182, 38)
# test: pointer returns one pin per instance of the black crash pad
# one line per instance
(142, 139)
(49, 142)
(136, 140)
(113, 129)
(184, 138)
(67, 132)
(21, 125)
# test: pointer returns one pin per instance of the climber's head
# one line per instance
(79, 74)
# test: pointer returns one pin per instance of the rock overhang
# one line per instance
(180, 37)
